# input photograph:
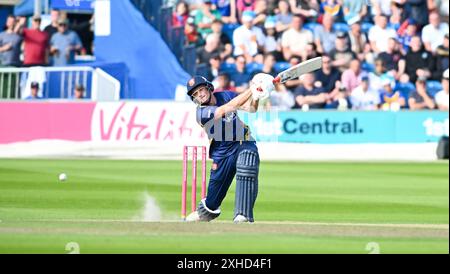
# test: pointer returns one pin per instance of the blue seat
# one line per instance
(253, 67)
(311, 26)
(365, 27)
(341, 27)
(368, 67)
(228, 68)
(281, 66)
(405, 88)
(201, 69)
(229, 29)
(434, 87)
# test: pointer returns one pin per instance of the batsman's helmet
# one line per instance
(198, 81)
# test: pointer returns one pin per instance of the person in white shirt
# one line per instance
(295, 39)
(442, 98)
(282, 99)
(379, 34)
(363, 97)
(433, 33)
(247, 38)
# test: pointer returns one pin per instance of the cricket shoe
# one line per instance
(240, 219)
(193, 217)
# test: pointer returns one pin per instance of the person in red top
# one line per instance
(180, 15)
(36, 44)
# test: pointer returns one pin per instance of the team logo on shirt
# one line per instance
(229, 117)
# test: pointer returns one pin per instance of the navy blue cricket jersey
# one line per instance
(225, 134)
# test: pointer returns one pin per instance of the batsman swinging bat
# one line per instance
(296, 71)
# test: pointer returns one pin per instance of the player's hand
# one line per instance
(262, 86)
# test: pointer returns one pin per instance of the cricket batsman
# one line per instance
(232, 148)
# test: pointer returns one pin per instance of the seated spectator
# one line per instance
(354, 9)
(282, 99)
(306, 8)
(310, 52)
(418, 61)
(79, 92)
(214, 67)
(34, 92)
(227, 10)
(192, 35)
(363, 97)
(271, 42)
(204, 18)
(392, 58)
(351, 78)
(442, 55)
(358, 40)
(328, 76)
(442, 98)
(398, 15)
(225, 42)
(342, 54)
(332, 8)
(240, 77)
(295, 39)
(284, 16)
(307, 96)
(420, 98)
(380, 33)
(433, 33)
(36, 43)
(64, 44)
(442, 7)
(223, 83)
(180, 15)
(10, 43)
(390, 99)
(379, 75)
(260, 13)
(405, 35)
(211, 48)
(268, 65)
(247, 38)
(325, 35)
(418, 10)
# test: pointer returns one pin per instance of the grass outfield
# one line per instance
(302, 208)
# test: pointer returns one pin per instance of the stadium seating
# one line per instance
(365, 27)
(434, 87)
(311, 26)
(254, 67)
(228, 29)
(405, 88)
(228, 68)
(280, 66)
(341, 27)
(368, 67)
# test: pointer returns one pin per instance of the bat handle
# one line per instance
(277, 80)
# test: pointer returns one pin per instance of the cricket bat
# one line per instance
(296, 71)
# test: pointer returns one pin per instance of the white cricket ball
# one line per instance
(62, 177)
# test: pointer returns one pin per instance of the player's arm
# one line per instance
(232, 106)
(250, 106)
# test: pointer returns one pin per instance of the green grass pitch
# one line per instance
(302, 207)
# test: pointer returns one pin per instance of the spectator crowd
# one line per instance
(25, 43)
(377, 54)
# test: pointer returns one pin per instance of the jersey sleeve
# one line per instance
(205, 114)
